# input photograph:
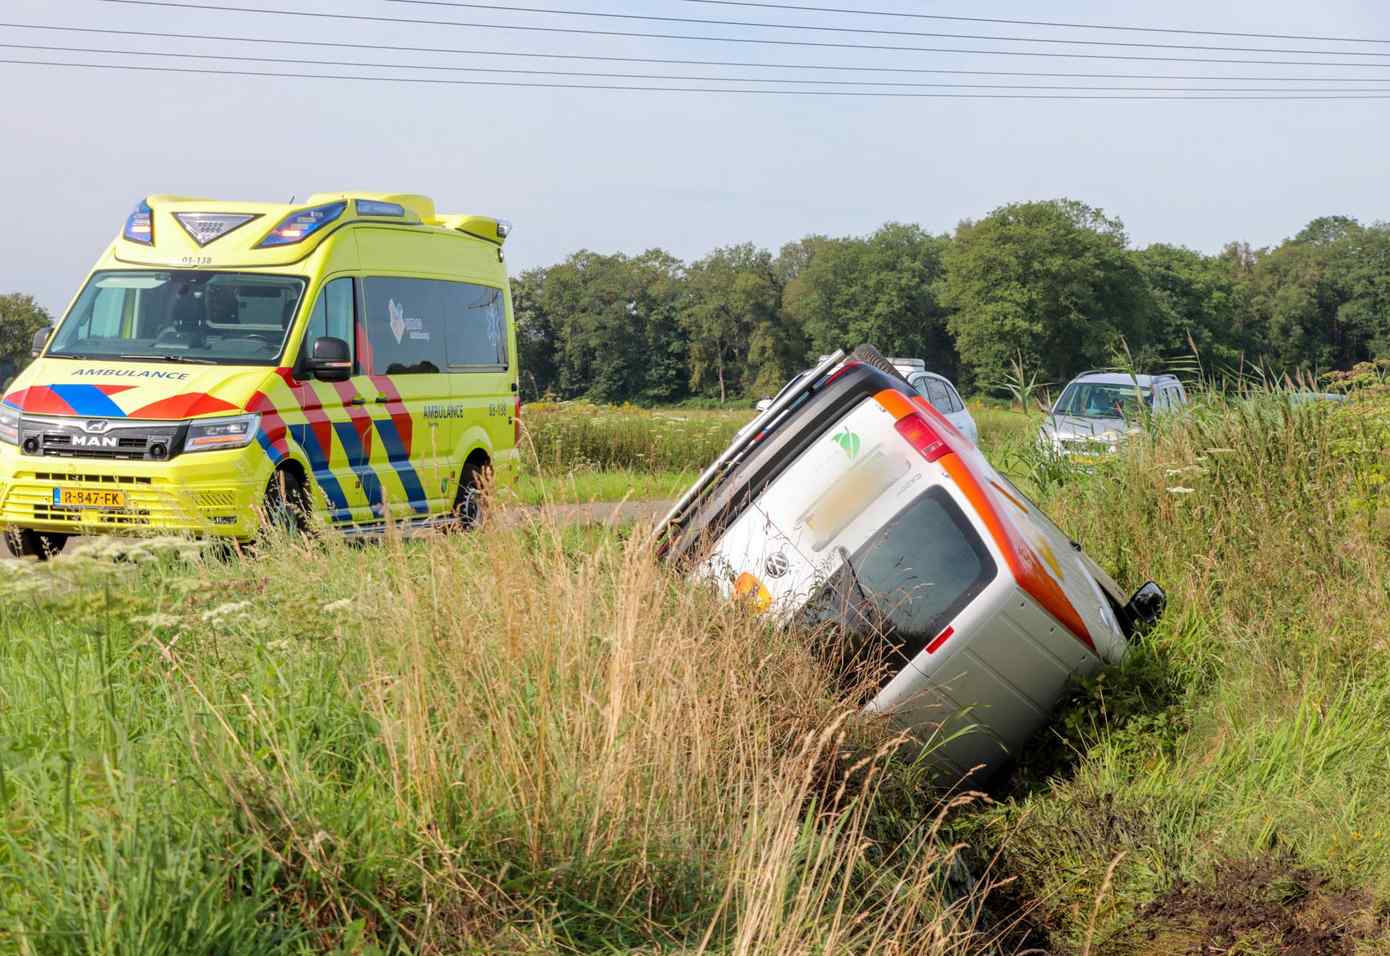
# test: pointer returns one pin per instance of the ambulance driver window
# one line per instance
(333, 315)
(477, 327)
(404, 327)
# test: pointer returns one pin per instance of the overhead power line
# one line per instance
(35, 47)
(577, 31)
(431, 81)
(675, 61)
(716, 22)
(1013, 21)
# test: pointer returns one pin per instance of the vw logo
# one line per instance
(96, 425)
(776, 565)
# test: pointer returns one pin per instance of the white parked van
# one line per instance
(854, 506)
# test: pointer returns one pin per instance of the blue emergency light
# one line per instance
(299, 226)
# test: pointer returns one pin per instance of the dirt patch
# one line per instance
(1259, 906)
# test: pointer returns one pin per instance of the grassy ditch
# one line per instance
(520, 740)
(535, 740)
(1247, 733)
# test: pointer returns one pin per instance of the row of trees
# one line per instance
(1055, 283)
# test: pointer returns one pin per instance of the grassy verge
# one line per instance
(562, 439)
(1222, 789)
(515, 741)
(528, 740)
(586, 486)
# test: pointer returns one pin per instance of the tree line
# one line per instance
(1054, 285)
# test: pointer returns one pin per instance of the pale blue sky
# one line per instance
(622, 171)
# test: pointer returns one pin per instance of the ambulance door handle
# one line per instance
(357, 400)
(382, 399)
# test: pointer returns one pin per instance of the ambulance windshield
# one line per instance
(215, 318)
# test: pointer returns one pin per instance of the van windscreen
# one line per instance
(221, 318)
(906, 584)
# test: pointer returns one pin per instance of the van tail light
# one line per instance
(920, 434)
(516, 423)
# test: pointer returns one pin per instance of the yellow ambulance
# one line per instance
(351, 359)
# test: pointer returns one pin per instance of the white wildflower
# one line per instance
(158, 620)
(225, 610)
(1180, 490)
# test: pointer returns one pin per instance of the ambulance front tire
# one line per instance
(28, 543)
(286, 505)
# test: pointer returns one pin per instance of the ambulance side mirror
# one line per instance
(330, 360)
(41, 338)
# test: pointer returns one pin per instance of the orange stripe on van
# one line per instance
(1027, 568)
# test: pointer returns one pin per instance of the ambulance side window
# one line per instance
(404, 326)
(477, 327)
(335, 314)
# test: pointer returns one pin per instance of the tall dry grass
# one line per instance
(520, 740)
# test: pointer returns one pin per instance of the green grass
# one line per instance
(530, 740)
(523, 740)
(587, 486)
(561, 439)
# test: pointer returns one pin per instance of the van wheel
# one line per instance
(28, 543)
(468, 502)
(872, 356)
(286, 505)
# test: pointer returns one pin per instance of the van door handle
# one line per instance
(357, 400)
(382, 399)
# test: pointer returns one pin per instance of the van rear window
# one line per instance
(906, 584)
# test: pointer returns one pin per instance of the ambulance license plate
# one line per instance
(87, 498)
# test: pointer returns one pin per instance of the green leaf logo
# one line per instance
(849, 441)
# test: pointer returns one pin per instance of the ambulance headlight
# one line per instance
(9, 425)
(211, 434)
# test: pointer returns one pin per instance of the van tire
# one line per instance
(868, 355)
(28, 543)
(286, 504)
(468, 501)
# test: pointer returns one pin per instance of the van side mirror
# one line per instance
(41, 338)
(1147, 605)
(330, 359)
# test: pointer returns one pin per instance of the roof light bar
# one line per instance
(299, 226)
(373, 207)
(140, 226)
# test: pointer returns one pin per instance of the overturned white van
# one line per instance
(855, 507)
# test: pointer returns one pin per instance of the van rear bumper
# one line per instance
(212, 493)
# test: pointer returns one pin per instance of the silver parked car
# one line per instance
(1099, 410)
(943, 396)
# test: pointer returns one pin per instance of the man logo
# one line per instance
(96, 425)
(94, 441)
(776, 565)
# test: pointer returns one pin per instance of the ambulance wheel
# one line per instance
(28, 543)
(468, 502)
(286, 505)
(872, 356)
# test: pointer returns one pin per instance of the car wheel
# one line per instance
(286, 504)
(28, 543)
(468, 502)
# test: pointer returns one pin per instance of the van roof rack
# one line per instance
(749, 435)
(909, 362)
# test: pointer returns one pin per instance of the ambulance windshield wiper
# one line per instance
(163, 358)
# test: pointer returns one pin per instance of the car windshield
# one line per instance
(903, 587)
(217, 318)
(1099, 400)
